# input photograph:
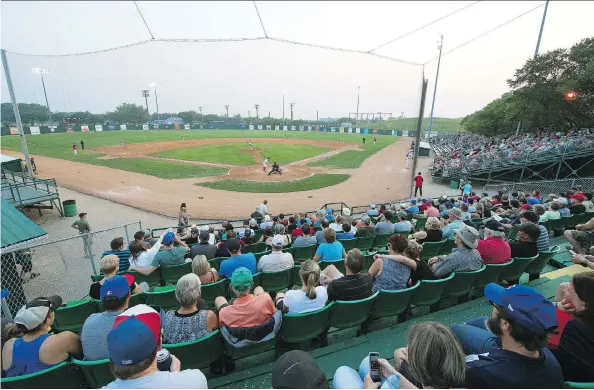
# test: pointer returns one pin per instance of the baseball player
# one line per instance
(75, 149)
(265, 163)
(251, 145)
(374, 140)
(123, 142)
(408, 157)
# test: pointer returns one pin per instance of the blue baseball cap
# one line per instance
(168, 238)
(413, 201)
(533, 201)
(116, 286)
(525, 305)
(135, 335)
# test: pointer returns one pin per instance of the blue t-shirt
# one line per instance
(467, 188)
(345, 236)
(247, 260)
(372, 213)
(413, 210)
(330, 252)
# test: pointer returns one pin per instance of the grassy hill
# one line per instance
(439, 124)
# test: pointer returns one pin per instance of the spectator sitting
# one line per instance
(115, 297)
(372, 212)
(320, 238)
(330, 249)
(552, 213)
(298, 370)
(117, 248)
(330, 215)
(431, 211)
(168, 256)
(387, 273)
(385, 226)
(411, 258)
(432, 233)
(108, 265)
(526, 246)
(277, 260)
(494, 249)
(306, 239)
(463, 258)
(581, 237)
(139, 236)
(447, 207)
(464, 210)
(337, 225)
(576, 206)
(36, 349)
(298, 231)
(237, 260)
(508, 350)
(588, 202)
(413, 209)
(133, 344)
(263, 208)
(268, 233)
(471, 207)
(530, 217)
(366, 230)
(140, 256)
(281, 219)
(319, 217)
(563, 210)
(354, 224)
(212, 239)
(346, 233)
(513, 212)
(352, 286)
(202, 268)
(223, 249)
(310, 297)
(203, 247)
(454, 222)
(267, 222)
(254, 224)
(292, 225)
(192, 320)
(247, 309)
(279, 230)
(248, 237)
(403, 225)
(433, 359)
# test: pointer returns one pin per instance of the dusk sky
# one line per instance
(245, 73)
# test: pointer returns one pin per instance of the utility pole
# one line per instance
(227, 109)
(283, 109)
(357, 115)
(145, 95)
(292, 105)
(257, 107)
(156, 100)
(17, 114)
(439, 46)
(41, 71)
(268, 114)
(249, 114)
(317, 115)
(201, 119)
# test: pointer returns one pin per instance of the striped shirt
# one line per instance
(124, 257)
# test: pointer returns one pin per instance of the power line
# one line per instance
(259, 17)
(423, 26)
(485, 33)
(145, 23)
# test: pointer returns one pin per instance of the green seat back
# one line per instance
(515, 270)
(210, 292)
(295, 277)
(462, 283)
(447, 247)
(431, 249)
(257, 280)
(297, 328)
(317, 229)
(199, 353)
(364, 243)
(60, 376)
(251, 350)
(260, 254)
(215, 263)
(430, 291)
(536, 266)
(381, 240)
(302, 253)
(348, 244)
(255, 248)
(511, 234)
(96, 278)
(171, 274)
(72, 317)
(421, 221)
(578, 385)
(348, 314)
(368, 260)
(137, 299)
(258, 233)
(391, 303)
(491, 274)
(567, 222)
(276, 281)
(165, 299)
(339, 264)
(154, 279)
(96, 372)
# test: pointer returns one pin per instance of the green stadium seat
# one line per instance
(163, 297)
(447, 247)
(317, 229)
(260, 254)
(492, 274)
(299, 328)
(511, 234)
(215, 263)
(578, 385)
(556, 226)
(421, 221)
(368, 260)
(431, 249)
(570, 222)
(153, 279)
(430, 293)
(96, 278)
(381, 240)
(512, 273)
(339, 264)
(295, 277)
(199, 353)
(348, 244)
(364, 243)
(210, 292)
(536, 266)
(350, 314)
(254, 349)
(137, 299)
(255, 248)
(276, 281)
(171, 274)
(60, 376)
(258, 234)
(72, 316)
(462, 283)
(96, 372)
(302, 253)
(391, 303)
(257, 280)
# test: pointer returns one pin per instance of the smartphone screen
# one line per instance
(374, 367)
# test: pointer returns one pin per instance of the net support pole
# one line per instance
(17, 114)
(419, 128)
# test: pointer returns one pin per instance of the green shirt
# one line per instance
(82, 226)
(166, 257)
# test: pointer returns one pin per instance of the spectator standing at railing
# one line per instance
(83, 228)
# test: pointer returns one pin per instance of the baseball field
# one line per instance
(217, 173)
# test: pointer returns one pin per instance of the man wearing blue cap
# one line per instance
(413, 209)
(508, 349)
(167, 256)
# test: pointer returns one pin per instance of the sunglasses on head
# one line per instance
(41, 302)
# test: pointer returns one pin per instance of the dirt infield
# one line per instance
(381, 178)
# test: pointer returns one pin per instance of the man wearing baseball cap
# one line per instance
(494, 249)
(453, 222)
(36, 349)
(133, 343)
(298, 370)
(463, 258)
(203, 247)
(237, 259)
(167, 256)
(526, 245)
(115, 297)
(576, 206)
(508, 349)
(277, 260)
(366, 230)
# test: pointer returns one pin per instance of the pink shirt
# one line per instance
(432, 212)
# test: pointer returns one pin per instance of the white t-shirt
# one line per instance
(298, 302)
(146, 258)
(186, 379)
(336, 227)
(275, 262)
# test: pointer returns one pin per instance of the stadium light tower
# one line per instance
(41, 71)
(357, 114)
(257, 108)
(439, 46)
(145, 95)
(292, 105)
(268, 114)
(154, 85)
(227, 110)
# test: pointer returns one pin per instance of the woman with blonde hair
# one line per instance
(310, 297)
(432, 232)
(201, 267)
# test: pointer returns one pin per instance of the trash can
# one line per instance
(454, 184)
(70, 208)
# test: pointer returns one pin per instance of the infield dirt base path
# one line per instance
(381, 178)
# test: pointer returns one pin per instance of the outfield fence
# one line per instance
(57, 267)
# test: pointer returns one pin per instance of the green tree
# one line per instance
(189, 116)
(130, 113)
(31, 113)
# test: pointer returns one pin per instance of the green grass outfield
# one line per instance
(230, 153)
(351, 159)
(318, 180)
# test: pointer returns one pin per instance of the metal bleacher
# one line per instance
(24, 191)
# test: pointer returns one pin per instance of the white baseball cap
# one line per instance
(35, 312)
(278, 240)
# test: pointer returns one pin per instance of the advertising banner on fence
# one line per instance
(145, 127)
(260, 127)
(333, 129)
(285, 128)
(357, 130)
(53, 128)
(276, 127)
(70, 129)
(156, 127)
(187, 127)
(301, 128)
(13, 130)
(341, 130)
(176, 126)
(308, 128)
(98, 127)
(123, 127)
(251, 127)
(405, 133)
(268, 127)
(84, 128)
(34, 130)
(293, 128)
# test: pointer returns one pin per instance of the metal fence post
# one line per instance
(89, 238)
(127, 236)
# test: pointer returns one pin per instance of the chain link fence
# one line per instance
(545, 187)
(57, 267)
